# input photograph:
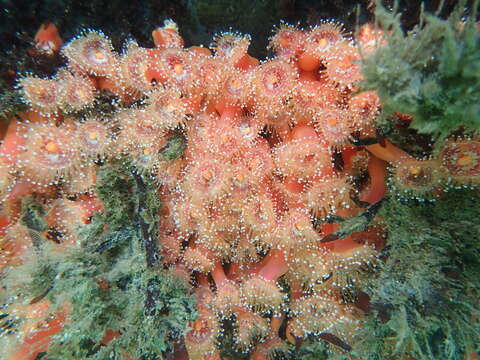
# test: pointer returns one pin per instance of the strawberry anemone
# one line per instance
(230, 46)
(91, 53)
(287, 41)
(42, 95)
(461, 161)
(304, 156)
(411, 178)
(273, 84)
(261, 292)
(95, 138)
(76, 92)
(319, 41)
(49, 155)
(200, 339)
(167, 36)
(137, 70)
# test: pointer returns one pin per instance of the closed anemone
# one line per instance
(66, 216)
(316, 314)
(327, 195)
(250, 326)
(83, 182)
(308, 265)
(342, 64)
(364, 107)
(13, 246)
(167, 36)
(261, 295)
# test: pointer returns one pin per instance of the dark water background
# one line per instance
(198, 21)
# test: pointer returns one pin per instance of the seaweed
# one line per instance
(430, 73)
(114, 282)
(424, 298)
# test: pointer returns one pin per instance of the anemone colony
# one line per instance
(272, 147)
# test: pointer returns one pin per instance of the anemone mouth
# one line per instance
(206, 181)
(97, 52)
(167, 107)
(174, 67)
(295, 229)
(419, 176)
(260, 215)
(235, 88)
(275, 78)
(94, 138)
(76, 92)
(286, 37)
(334, 125)
(140, 130)
(365, 107)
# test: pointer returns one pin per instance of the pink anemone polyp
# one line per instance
(92, 53)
